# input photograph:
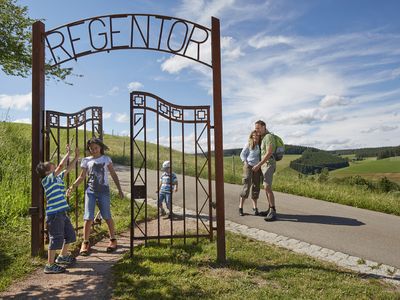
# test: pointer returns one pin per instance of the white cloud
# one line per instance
(333, 100)
(23, 120)
(107, 115)
(121, 118)
(134, 86)
(18, 102)
(175, 64)
(304, 116)
(114, 91)
(381, 128)
(230, 48)
(259, 41)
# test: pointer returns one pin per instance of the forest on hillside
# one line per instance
(313, 161)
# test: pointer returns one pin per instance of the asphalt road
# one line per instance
(371, 235)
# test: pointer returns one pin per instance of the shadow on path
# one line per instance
(320, 219)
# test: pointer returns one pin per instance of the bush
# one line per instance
(385, 185)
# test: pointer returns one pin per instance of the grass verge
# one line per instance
(254, 270)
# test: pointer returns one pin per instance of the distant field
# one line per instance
(372, 169)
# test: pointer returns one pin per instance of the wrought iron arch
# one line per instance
(39, 39)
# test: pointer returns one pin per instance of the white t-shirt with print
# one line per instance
(97, 170)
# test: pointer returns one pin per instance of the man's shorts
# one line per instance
(60, 229)
(268, 174)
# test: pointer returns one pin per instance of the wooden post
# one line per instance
(38, 103)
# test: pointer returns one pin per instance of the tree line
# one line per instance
(313, 161)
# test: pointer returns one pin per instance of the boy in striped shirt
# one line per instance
(60, 229)
(168, 185)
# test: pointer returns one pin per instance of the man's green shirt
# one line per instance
(266, 141)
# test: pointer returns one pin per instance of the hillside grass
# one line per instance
(254, 270)
(372, 169)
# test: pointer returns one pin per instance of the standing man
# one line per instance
(267, 165)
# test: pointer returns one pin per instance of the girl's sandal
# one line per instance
(112, 246)
(85, 248)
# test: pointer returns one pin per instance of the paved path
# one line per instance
(357, 233)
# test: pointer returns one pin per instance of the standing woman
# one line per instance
(250, 156)
(97, 167)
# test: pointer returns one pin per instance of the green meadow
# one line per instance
(373, 169)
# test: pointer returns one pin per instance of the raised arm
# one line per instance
(72, 163)
(77, 181)
(60, 166)
(114, 176)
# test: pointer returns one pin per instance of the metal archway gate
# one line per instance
(172, 35)
(162, 131)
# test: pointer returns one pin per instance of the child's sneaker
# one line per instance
(67, 260)
(53, 269)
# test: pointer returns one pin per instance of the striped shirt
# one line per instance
(166, 182)
(55, 193)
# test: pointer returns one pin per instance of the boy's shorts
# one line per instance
(103, 202)
(268, 174)
(165, 197)
(60, 229)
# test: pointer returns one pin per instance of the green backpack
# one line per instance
(280, 147)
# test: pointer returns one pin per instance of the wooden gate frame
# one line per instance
(39, 36)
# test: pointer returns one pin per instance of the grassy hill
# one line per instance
(373, 169)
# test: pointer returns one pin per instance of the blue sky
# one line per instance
(320, 73)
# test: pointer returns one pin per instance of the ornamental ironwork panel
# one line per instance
(163, 131)
(73, 129)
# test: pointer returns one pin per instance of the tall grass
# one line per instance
(15, 179)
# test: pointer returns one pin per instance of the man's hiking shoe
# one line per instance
(264, 213)
(255, 210)
(53, 269)
(162, 212)
(85, 248)
(67, 260)
(241, 212)
(271, 216)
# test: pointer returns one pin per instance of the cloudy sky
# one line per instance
(323, 73)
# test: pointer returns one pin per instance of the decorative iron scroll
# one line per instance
(197, 118)
(130, 31)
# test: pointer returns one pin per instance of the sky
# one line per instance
(323, 73)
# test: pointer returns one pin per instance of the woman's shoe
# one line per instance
(85, 248)
(112, 246)
(255, 211)
(241, 212)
